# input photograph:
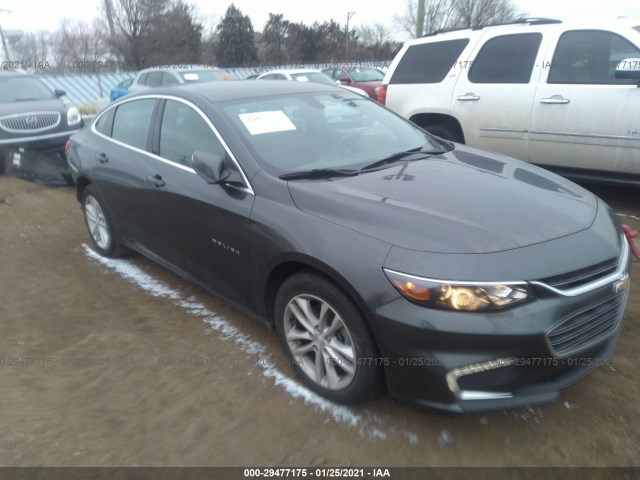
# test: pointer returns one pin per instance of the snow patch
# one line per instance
(368, 424)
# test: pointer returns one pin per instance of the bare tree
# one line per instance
(83, 45)
(33, 49)
(471, 13)
(442, 14)
(375, 39)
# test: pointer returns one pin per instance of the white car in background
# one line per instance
(307, 75)
(564, 95)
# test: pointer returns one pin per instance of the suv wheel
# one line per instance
(326, 339)
(444, 131)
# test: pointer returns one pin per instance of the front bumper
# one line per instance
(39, 159)
(470, 362)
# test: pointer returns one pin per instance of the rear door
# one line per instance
(494, 95)
(119, 155)
(584, 117)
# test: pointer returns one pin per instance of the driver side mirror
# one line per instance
(213, 169)
(629, 68)
(343, 81)
(59, 92)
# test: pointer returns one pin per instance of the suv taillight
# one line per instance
(67, 147)
(381, 91)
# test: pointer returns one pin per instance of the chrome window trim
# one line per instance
(246, 188)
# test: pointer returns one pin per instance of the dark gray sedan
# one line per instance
(382, 255)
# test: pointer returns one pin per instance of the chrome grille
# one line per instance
(30, 122)
(583, 276)
(587, 327)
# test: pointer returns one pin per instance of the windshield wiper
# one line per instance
(418, 153)
(318, 173)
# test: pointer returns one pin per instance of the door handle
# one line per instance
(468, 97)
(156, 180)
(555, 100)
(102, 157)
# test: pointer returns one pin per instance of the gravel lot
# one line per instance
(122, 363)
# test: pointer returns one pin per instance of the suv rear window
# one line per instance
(428, 62)
(506, 59)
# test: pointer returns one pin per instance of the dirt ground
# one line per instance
(125, 364)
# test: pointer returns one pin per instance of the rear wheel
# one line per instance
(104, 237)
(326, 339)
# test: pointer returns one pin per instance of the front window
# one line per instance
(23, 89)
(367, 75)
(321, 130)
(183, 132)
(590, 57)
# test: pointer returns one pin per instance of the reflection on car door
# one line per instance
(201, 229)
(493, 97)
(583, 117)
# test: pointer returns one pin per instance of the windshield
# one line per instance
(314, 77)
(200, 76)
(322, 130)
(22, 89)
(366, 75)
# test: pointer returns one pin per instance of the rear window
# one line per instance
(506, 59)
(313, 77)
(132, 121)
(198, 76)
(428, 62)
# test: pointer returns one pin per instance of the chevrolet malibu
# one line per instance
(382, 256)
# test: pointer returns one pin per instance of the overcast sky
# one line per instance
(31, 15)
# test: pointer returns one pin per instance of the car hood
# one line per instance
(16, 108)
(465, 201)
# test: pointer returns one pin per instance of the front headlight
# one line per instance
(73, 116)
(465, 296)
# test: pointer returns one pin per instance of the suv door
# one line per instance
(493, 97)
(584, 117)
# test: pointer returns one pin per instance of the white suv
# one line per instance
(562, 95)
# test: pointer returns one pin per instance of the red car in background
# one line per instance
(366, 78)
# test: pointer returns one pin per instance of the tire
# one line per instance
(104, 237)
(334, 354)
(444, 131)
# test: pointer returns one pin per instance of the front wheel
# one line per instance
(326, 339)
(103, 235)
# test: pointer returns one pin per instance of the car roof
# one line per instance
(523, 25)
(214, 92)
(180, 68)
(294, 71)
